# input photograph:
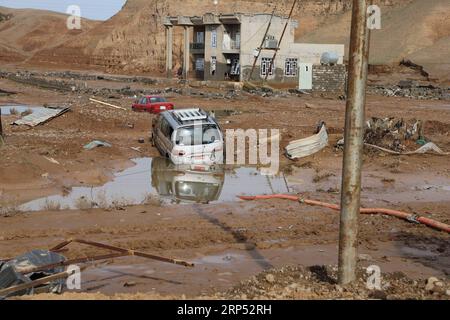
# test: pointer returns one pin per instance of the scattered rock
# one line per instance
(411, 90)
(378, 294)
(365, 257)
(338, 288)
(129, 284)
(270, 278)
(430, 283)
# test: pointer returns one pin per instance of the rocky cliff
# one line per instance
(133, 40)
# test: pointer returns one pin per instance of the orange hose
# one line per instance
(399, 214)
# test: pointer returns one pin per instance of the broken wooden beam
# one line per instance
(128, 252)
(106, 104)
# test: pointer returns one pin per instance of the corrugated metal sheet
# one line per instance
(40, 116)
(308, 146)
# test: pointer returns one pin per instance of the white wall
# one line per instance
(311, 52)
(253, 28)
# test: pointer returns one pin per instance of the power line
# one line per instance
(261, 46)
(281, 39)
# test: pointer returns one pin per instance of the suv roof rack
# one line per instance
(190, 114)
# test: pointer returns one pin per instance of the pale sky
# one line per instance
(91, 9)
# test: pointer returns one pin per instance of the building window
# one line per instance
(214, 39)
(200, 37)
(200, 64)
(238, 40)
(290, 67)
(213, 65)
(235, 67)
(226, 41)
(265, 65)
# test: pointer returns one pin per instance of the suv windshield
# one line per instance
(157, 99)
(198, 135)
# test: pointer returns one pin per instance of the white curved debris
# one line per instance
(307, 146)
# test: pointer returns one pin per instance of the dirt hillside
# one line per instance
(133, 39)
(23, 32)
(419, 31)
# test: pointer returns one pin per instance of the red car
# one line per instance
(152, 104)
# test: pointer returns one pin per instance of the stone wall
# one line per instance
(329, 78)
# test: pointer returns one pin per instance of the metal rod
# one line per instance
(353, 137)
(126, 251)
(73, 261)
(281, 39)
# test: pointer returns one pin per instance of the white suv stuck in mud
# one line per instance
(188, 136)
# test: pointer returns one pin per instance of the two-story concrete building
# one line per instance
(224, 46)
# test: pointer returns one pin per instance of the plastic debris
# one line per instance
(51, 160)
(15, 272)
(44, 271)
(97, 143)
(308, 146)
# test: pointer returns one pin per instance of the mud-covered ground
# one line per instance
(231, 241)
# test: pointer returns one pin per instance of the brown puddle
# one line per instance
(157, 178)
(223, 270)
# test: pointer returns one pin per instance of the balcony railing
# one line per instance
(197, 46)
(232, 45)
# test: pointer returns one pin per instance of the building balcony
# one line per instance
(197, 47)
(232, 46)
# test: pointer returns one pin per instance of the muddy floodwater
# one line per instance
(222, 270)
(156, 179)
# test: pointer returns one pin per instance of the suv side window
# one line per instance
(166, 129)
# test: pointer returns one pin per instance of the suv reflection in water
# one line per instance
(187, 183)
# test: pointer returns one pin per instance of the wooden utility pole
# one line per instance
(353, 139)
(281, 39)
(1, 129)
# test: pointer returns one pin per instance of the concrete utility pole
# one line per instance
(353, 148)
(1, 129)
(186, 53)
(169, 50)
